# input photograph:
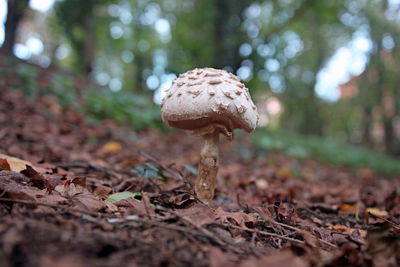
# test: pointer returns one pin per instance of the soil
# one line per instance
(58, 173)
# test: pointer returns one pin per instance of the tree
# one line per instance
(379, 83)
(15, 13)
(77, 21)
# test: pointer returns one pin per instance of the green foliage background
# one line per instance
(121, 40)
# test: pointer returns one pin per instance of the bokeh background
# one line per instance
(325, 75)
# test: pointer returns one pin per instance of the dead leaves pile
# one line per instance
(18, 183)
(94, 180)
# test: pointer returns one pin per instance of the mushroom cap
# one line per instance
(207, 100)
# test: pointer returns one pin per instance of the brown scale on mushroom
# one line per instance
(212, 74)
(223, 106)
(195, 93)
(241, 109)
(214, 81)
(194, 84)
(228, 93)
(233, 77)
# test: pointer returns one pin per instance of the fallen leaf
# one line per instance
(37, 179)
(80, 195)
(134, 206)
(242, 219)
(347, 207)
(120, 196)
(346, 230)
(111, 147)
(102, 191)
(198, 214)
(4, 165)
(53, 199)
(284, 173)
(17, 165)
(14, 186)
(377, 212)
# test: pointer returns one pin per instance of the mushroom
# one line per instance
(209, 102)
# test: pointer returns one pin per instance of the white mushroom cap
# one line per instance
(207, 100)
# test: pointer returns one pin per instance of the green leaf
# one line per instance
(120, 196)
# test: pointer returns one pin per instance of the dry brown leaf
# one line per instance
(17, 165)
(111, 147)
(377, 212)
(347, 208)
(14, 186)
(53, 199)
(346, 230)
(27, 193)
(242, 219)
(80, 195)
(133, 206)
(198, 214)
(4, 164)
(284, 173)
(37, 179)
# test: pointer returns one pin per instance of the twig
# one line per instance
(301, 231)
(26, 202)
(207, 233)
(266, 233)
(386, 220)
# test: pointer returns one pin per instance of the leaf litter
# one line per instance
(76, 194)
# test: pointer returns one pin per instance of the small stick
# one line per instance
(300, 231)
(205, 232)
(386, 220)
(266, 233)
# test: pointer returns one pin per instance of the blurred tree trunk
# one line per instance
(313, 122)
(228, 37)
(15, 13)
(89, 44)
(78, 21)
(366, 124)
(395, 147)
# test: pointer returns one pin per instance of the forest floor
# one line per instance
(58, 206)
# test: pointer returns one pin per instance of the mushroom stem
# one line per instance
(208, 168)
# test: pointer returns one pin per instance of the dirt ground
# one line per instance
(57, 174)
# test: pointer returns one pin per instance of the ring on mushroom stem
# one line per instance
(209, 102)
